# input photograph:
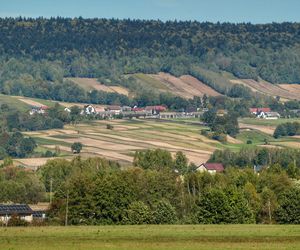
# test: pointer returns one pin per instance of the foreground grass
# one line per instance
(153, 237)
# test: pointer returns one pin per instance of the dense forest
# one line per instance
(36, 54)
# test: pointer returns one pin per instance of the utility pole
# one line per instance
(51, 183)
(67, 208)
(269, 208)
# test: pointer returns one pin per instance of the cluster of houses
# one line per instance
(157, 111)
(264, 113)
(38, 110)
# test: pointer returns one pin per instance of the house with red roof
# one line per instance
(256, 111)
(211, 168)
(155, 109)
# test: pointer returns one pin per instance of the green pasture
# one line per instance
(146, 237)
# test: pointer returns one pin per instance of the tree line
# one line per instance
(159, 189)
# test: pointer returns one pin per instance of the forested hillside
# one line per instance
(35, 51)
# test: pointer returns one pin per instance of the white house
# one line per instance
(211, 168)
(89, 110)
(268, 115)
(67, 110)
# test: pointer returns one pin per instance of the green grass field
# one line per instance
(152, 237)
(14, 103)
(264, 122)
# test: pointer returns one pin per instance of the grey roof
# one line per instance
(19, 209)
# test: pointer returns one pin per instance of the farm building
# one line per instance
(211, 168)
(268, 115)
(88, 110)
(155, 109)
(171, 115)
(38, 110)
(22, 211)
(256, 111)
(116, 110)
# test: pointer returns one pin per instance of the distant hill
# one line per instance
(38, 54)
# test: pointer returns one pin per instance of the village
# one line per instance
(156, 111)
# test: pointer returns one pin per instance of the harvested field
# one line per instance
(268, 88)
(31, 162)
(185, 86)
(198, 85)
(92, 83)
(292, 88)
(127, 137)
(265, 129)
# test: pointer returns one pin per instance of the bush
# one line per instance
(15, 221)
(138, 213)
(249, 142)
(109, 126)
(164, 213)
(219, 137)
(76, 147)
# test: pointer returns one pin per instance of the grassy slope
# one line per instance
(14, 103)
(265, 122)
(150, 82)
(153, 237)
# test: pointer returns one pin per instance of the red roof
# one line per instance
(157, 108)
(258, 110)
(214, 166)
(138, 109)
(114, 107)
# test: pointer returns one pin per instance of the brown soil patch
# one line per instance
(31, 102)
(265, 129)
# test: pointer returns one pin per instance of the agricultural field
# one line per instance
(126, 137)
(129, 136)
(148, 237)
(93, 84)
(185, 86)
(286, 91)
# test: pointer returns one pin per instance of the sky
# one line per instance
(236, 11)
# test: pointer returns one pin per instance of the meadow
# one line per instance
(148, 237)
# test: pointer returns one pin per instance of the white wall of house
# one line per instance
(6, 218)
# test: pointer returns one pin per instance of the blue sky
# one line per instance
(255, 11)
